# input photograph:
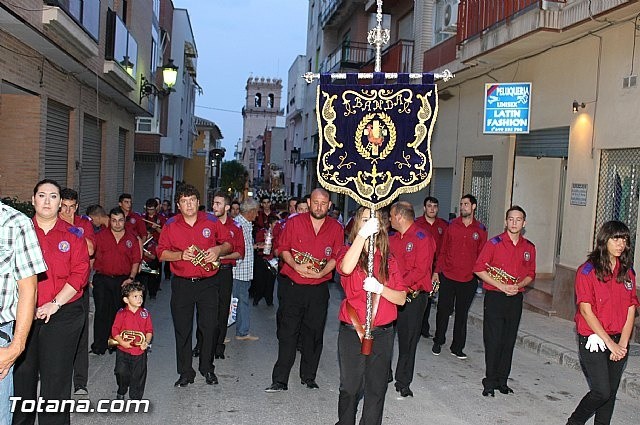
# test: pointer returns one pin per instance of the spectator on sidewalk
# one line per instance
(607, 301)
(506, 265)
(131, 355)
(20, 263)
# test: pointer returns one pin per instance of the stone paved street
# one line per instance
(447, 390)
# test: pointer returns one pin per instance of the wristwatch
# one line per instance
(55, 302)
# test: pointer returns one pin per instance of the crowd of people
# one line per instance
(390, 268)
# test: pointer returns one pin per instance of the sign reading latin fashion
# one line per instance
(375, 138)
(506, 108)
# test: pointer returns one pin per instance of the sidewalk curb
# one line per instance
(629, 384)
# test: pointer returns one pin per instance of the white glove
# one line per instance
(595, 343)
(370, 228)
(371, 284)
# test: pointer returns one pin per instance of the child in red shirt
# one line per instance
(131, 356)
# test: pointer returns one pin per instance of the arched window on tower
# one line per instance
(270, 101)
(258, 100)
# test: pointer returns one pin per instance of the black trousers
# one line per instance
(107, 296)
(185, 295)
(81, 360)
(604, 377)
(301, 313)
(131, 374)
(49, 354)
(263, 281)
(500, 329)
(362, 375)
(425, 319)
(408, 326)
(224, 302)
(151, 282)
(458, 295)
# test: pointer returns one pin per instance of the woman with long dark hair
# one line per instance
(366, 374)
(59, 316)
(606, 298)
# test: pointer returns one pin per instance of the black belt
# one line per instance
(117, 276)
(381, 327)
(226, 266)
(194, 279)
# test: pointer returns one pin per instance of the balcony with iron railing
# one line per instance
(497, 30)
(334, 12)
(396, 58)
(348, 55)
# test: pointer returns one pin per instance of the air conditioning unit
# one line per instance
(449, 17)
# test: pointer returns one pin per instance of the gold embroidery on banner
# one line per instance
(372, 185)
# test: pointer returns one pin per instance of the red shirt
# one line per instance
(65, 252)
(460, 248)
(159, 220)
(83, 223)
(278, 228)
(262, 220)
(178, 235)
(133, 224)
(414, 251)
(298, 234)
(436, 229)
(235, 230)
(116, 258)
(357, 297)
(518, 260)
(127, 320)
(610, 300)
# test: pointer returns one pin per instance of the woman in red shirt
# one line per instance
(59, 315)
(606, 297)
(359, 373)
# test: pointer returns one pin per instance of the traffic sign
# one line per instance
(166, 182)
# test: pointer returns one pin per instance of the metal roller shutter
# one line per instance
(122, 145)
(549, 142)
(57, 142)
(91, 160)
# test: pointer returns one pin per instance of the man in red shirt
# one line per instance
(220, 207)
(133, 220)
(117, 259)
(511, 253)
(150, 272)
(436, 227)
(413, 249)
(460, 246)
(195, 283)
(303, 292)
(262, 221)
(68, 208)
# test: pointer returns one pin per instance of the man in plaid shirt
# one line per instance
(243, 270)
(20, 262)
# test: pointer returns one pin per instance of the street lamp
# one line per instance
(295, 155)
(169, 77)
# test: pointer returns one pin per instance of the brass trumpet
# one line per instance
(305, 258)
(500, 275)
(199, 260)
(136, 338)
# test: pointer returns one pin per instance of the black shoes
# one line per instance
(211, 378)
(218, 356)
(405, 392)
(195, 352)
(504, 389)
(96, 352)
(436, 349)
(487, 392)
(459, 354)
(310, 383)
(184, 381)
(276, 388)
(80, 390)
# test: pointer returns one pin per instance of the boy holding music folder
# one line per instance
(131, 332)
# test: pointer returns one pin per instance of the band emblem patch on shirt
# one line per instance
(527, 256)
(206, 232)
(440, 230)
(409, 247)
(144, 313)
(232, 234)
(475, 236)
(328, 251)
(129, 244)
(628, 284)
(64, 246)
(133, 220)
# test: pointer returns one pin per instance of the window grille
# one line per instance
(477, 181)
(618, 189)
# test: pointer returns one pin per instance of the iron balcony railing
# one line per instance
(351, 55)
